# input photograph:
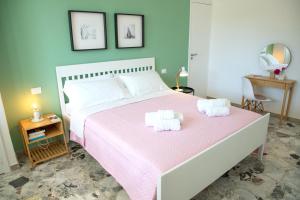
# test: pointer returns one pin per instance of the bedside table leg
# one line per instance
(24, 143)
(66, 145)
(24, 148)
(29, 154)
(32, 165)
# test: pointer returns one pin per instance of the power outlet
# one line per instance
(37, 90)
(163, 71)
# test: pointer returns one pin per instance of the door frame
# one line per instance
(204, 2)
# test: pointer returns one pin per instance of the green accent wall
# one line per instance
(35, 38)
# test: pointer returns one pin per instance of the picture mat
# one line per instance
(125, 21)
(94, 21)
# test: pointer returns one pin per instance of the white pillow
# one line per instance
(84, 93)
(141, 83)
(68, 108)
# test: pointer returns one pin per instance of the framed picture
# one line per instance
(88, 30)
(129, 30)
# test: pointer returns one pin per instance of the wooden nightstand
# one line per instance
(51, 146)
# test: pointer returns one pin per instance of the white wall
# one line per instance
(240, 29)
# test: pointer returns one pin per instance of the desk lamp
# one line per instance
(35, 107)
(181, 73)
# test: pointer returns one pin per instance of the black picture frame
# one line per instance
(74, 36)
(118, 32)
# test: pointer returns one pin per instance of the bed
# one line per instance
(167, 165)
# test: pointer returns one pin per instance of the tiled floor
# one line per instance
(79, 176)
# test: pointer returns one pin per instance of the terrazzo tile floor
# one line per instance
(79, 176)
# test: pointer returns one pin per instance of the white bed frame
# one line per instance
(193, 175)
(90, 70)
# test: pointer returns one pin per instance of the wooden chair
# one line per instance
(250, 100)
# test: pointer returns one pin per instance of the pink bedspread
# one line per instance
(136, 155)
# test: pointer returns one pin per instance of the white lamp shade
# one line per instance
(183, 72)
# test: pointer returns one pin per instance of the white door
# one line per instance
(199, 37)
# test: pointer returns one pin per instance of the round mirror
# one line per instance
(275, 56)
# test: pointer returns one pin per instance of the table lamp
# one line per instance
(181, 73)
(35, 107)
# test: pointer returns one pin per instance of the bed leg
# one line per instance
(261, 152)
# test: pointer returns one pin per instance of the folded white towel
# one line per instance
(214, 107)
(167, 125)
(166, 114)
(202, 104)
(217, 111)
(152, 117)
(179, 116)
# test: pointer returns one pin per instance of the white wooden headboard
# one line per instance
(86, 71)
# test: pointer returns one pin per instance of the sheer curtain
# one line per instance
(7, 153)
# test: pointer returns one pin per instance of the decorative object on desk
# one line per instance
(88, 30)
(280, 73)
(274, 56)
(277, 71)
(272, 75)
(35, 107)
(181, 73)
(129, 30)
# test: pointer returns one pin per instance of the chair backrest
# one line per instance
(248, 91)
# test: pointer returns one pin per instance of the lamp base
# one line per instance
(37, 120)
(37, 117)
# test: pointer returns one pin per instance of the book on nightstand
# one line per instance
(37, 135)
(53, 118)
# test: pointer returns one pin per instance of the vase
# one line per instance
(272, 75)
(281, 77)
